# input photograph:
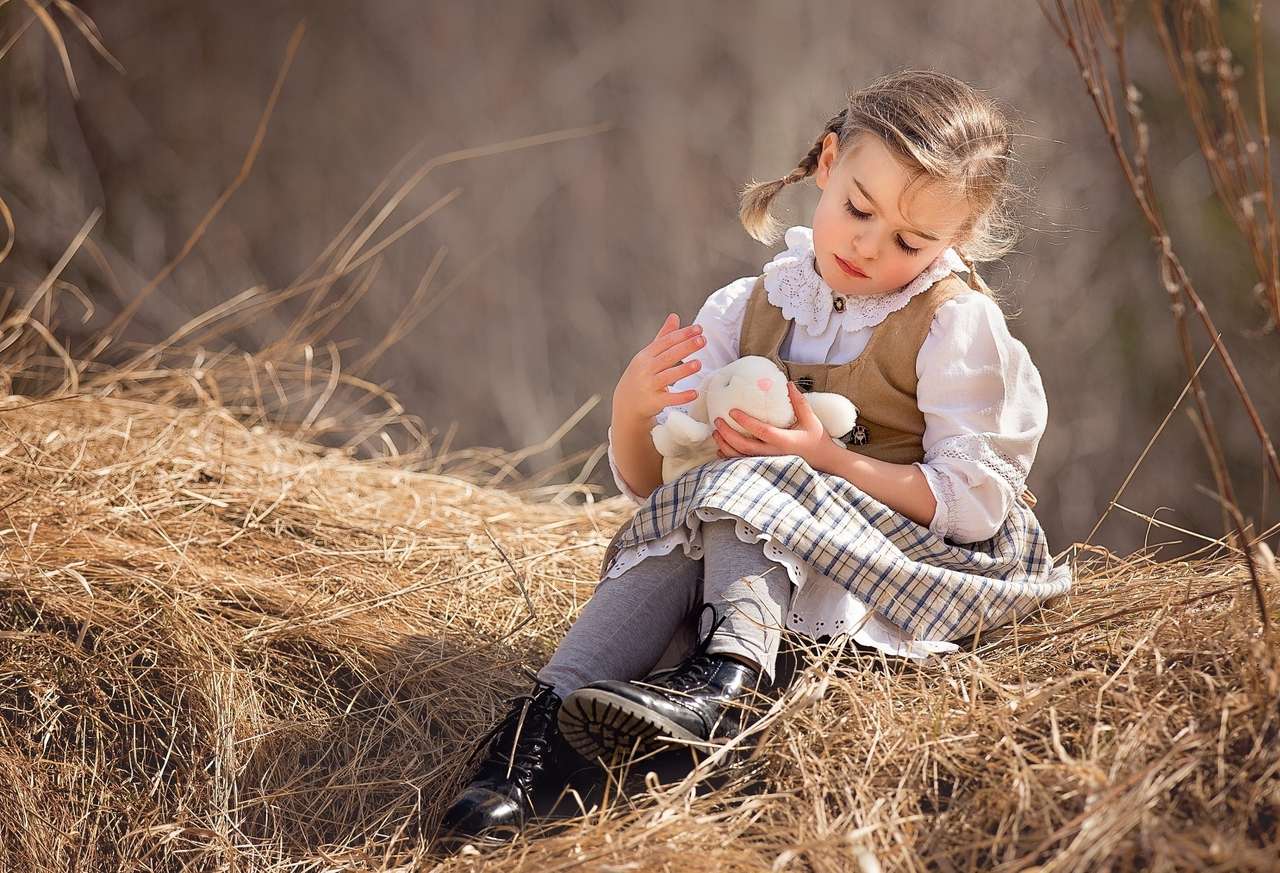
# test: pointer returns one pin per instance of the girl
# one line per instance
(913, 535)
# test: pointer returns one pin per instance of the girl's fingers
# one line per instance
(670, 323)
(804, 412)
(753, 426)
(726, 451)
(731, 437)
(680, 398)
(661, 343)
(678, 353)
(673, 374)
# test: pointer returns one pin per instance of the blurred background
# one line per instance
(562, 259)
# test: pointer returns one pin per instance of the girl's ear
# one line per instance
(826, 160)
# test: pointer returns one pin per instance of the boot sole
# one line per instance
(451, 843)
(595, 723)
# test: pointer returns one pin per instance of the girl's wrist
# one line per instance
(835, 460)
(629, 419)
(828, 458)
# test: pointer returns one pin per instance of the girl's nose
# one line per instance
(864, 245)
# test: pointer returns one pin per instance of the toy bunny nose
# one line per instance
(764, 384)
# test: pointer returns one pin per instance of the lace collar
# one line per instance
(794, 286)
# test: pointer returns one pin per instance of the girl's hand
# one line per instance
(805, 438)
(642, 389)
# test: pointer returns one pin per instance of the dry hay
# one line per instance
(226, 649)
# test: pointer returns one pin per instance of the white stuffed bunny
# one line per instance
(755, 385)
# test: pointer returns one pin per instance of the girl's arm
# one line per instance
(636, 464)
(642, 393)
(984, 411)
(901, 487)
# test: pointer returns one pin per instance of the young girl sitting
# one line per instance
(914, 534)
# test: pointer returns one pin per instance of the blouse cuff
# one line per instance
(617, 477)
(945, 497)
(978, 493)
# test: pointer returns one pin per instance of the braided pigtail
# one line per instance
(756, 196)
(975, 281)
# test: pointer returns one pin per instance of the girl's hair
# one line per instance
(942, 130)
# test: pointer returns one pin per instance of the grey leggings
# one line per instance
(647, 613)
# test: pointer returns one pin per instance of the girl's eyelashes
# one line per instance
(855, 211)
(863, 216)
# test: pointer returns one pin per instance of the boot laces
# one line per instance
(522, 739)
(695, 669)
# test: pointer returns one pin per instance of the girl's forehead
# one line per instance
(869, 157)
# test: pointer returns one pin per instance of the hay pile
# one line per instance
(224, 649)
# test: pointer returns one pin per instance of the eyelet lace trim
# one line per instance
(979, 449)
(689, 537)
(794, 286)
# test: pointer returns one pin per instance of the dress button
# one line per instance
(805, 383)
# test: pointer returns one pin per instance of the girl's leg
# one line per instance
(627, 624)
(620, 633)
(747, 587)
(699, 698)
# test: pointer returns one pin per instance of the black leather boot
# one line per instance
(524, 761)
(700, 699)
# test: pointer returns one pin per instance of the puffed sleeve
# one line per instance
(984, 410)
(721, 320)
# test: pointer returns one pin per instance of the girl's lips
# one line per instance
(849, 268)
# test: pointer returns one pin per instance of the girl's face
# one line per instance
(858, 221)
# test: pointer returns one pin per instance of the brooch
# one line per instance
(837, 303)
(856, 437)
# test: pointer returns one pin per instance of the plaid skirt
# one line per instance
(927, 585)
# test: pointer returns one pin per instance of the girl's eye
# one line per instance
(863, 216)
(855, 211)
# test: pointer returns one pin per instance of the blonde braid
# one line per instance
(975, 281)
(753, 210)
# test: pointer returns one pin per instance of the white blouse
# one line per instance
(981, 397)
